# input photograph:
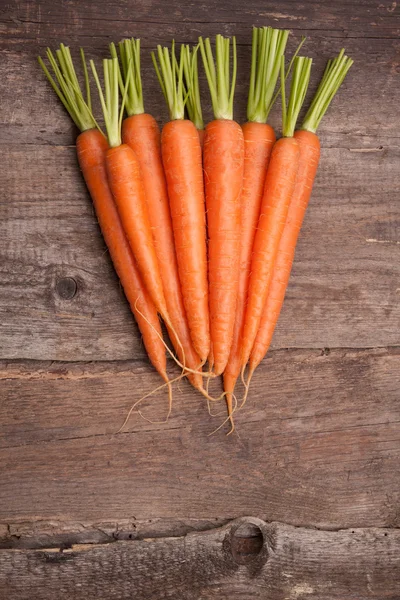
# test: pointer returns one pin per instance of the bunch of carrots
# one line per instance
(201, 224)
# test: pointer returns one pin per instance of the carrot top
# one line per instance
(66, 85)
(268, 47)
(221, 80)
(298, 90)
(129, 51)
(112, 111)
(170, 75)
(191, 85)
(334, 74)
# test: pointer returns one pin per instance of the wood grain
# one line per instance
(317, 444)
(290, 563)
(345, 276)
(347, 263)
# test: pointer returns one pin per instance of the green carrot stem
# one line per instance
(268, 47)
(87, 80)
(170, 76)
(64, 82)
(221, 77)
(109, 99)
(191, 85)
(288, 70)
(129, 52)
(298, 90)
(334, 74)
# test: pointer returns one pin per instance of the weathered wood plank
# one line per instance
(49, 231)
(318, 444)
(43, 21)
(289, 563)
(345, 275)
(355, 114)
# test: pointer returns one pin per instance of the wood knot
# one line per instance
(247, 541)
(66, 288)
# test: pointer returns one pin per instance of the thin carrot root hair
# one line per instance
(211, 399)
(182, 366)
(169, 404)
(157, 389)
(228, 418)
(246, 384)
(210, 370)
(205, 392)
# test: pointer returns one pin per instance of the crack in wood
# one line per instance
(50, 541)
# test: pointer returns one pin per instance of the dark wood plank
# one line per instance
(317, 444)
(265, 561)
(341, 281)
(356, 116)
(44, 21)
(345, 276)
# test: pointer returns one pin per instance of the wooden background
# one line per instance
(86, 513)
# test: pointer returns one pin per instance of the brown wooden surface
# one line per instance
(318, 443)
(281, 562)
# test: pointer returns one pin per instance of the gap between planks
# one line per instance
(75, 536)
(16, 368)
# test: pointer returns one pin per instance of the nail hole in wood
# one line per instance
(66, 288)
(246, 543)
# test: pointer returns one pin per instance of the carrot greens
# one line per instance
(66, 85)
(298, 90)
(334, 74)
(268, 48)
(220, 75)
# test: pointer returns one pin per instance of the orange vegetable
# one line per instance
(278, 190)
(223, 156)
(91, 148)
(259, 137)
(309, 144)
(140, 131)
(126, 183)
(182, 161)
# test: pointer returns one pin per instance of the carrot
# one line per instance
(92, 147)
(267, 49)
(278, 190)
(308, 141)
(223, 156)
(140, 131)
(127, 187)
(181, 155)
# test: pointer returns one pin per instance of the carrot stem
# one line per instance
(109, 100)
(298, 90)
(66, 85)
(170, 75)
(191, 85)
(268, 47)
(129, 53)
(334, 74)
(220, 77)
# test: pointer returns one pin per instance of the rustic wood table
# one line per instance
(304, 500)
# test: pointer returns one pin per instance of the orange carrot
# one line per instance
(308, 141)
(267, 49)
(223, 156)
(278, 190)
(92, 147)
(181, 155)
(127, 187)
(140, 131)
